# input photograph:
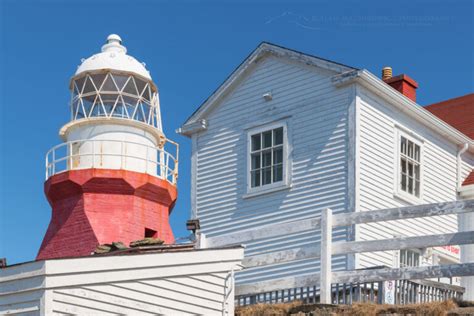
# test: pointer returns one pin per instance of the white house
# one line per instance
(289, 134)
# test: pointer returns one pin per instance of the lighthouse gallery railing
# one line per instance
(152, 160)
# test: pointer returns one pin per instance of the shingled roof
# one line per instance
(457, 112)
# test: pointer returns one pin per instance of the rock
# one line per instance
(146, 242)
(118, 245)
(103, 248)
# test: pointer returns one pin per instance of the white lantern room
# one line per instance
(115, 118)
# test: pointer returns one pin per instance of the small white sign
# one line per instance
(389, 292)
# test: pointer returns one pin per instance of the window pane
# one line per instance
(267, 158)
(255, 161)
(140, 85)
(410, 169)
(266, 175)
(108, 85)
(403, 145)
(404, 182)
(80, 83)
(403, 164)
(98, 79)
(80, 111)
(109, 101)
(267, 139)
(410, 185)
(120, 80)
(278, 136)
(89, 86)
(130, 101)
(410, 149)
(278, 156)
(255, 178)
(417, 188)
(417, 172)
(417, 153)
(277, 173)
(87, 103)
(130, 87)
(256, 143)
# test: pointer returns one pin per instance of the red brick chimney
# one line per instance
(404, 84)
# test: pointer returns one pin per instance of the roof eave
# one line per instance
(403, 103)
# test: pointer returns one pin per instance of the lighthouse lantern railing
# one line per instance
(114, 154)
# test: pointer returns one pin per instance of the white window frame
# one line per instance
(398, 192)
(276, 186)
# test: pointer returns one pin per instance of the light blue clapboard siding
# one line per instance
(377, 175)
(316, 114)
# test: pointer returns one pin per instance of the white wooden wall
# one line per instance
(180, 283)
(316, 115)
(376, 165)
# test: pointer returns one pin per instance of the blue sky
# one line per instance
(190, 48)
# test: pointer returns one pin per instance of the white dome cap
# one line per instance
(114, 57)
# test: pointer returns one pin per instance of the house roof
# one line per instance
(263, 49)
(470, 179)
(457, 112)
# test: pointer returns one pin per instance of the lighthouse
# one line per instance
(114, 176)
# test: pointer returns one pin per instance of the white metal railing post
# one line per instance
(70, 167)
(54, 162)
(47, 166)
(146, 160)
(122, 154)
(325, 262)
(93, 153)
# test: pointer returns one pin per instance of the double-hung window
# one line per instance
(267, 157)
(409, 167)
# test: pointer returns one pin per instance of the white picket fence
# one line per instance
(326, 249)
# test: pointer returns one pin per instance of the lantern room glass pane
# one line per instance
(140, 85)
(98, 80)
(130, 87)
(108, 85)
(88, 86)
(80, 83)
(120, 81)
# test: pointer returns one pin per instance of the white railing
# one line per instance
(114, 154)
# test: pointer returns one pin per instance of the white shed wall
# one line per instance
(178, 283)
(316, 114)
(378, 153)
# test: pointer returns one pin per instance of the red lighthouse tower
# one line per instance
(112, 179)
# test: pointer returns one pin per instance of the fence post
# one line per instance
(326, 248)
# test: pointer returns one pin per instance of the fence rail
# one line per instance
(324, 250)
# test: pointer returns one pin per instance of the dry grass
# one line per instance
(366, 309)
(282, 309)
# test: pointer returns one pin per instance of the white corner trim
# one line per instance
(402, 103)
